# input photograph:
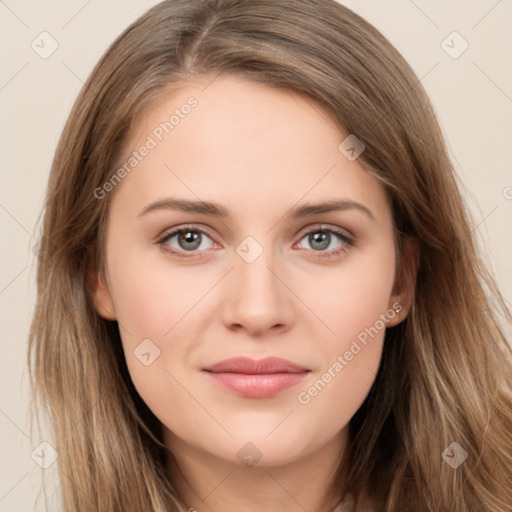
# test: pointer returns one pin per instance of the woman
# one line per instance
(255, 369)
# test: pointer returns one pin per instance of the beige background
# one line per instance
(472, 95)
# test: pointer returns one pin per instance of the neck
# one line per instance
(209, 484)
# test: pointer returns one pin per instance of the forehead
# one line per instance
(237, 142)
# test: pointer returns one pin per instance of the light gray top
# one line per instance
(346, 505)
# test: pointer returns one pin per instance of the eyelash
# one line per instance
(329, 254)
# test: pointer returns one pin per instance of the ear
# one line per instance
(405, 282)
(102, 299)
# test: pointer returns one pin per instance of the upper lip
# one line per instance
(251, 366)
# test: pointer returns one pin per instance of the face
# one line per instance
(261, 272)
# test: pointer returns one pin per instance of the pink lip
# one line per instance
(256, 379)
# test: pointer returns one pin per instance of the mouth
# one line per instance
(256, 379)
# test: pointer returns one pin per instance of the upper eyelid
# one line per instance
(174, 231)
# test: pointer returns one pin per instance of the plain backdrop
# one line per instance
(471, 92)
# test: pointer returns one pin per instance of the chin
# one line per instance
(251, 447)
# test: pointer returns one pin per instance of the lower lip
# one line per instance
(257, 385)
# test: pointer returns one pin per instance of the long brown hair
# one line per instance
(446, 371)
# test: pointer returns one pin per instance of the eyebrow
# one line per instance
(217, 210)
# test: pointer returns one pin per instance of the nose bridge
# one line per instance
(260, 299)
(253, 271)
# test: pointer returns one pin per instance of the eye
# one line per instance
(322, 238)
(191, 240)
(187, 239)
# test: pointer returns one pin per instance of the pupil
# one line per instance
(321, 237)
(189, 237)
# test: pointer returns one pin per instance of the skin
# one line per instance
(257, 151)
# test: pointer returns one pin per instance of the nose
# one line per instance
(258, 300)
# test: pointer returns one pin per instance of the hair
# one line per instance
(446, 372)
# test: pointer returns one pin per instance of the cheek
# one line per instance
(159, 328)
(326, 403)
(351, 298)
(351, 356)
(354, 305)
(150, 295)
